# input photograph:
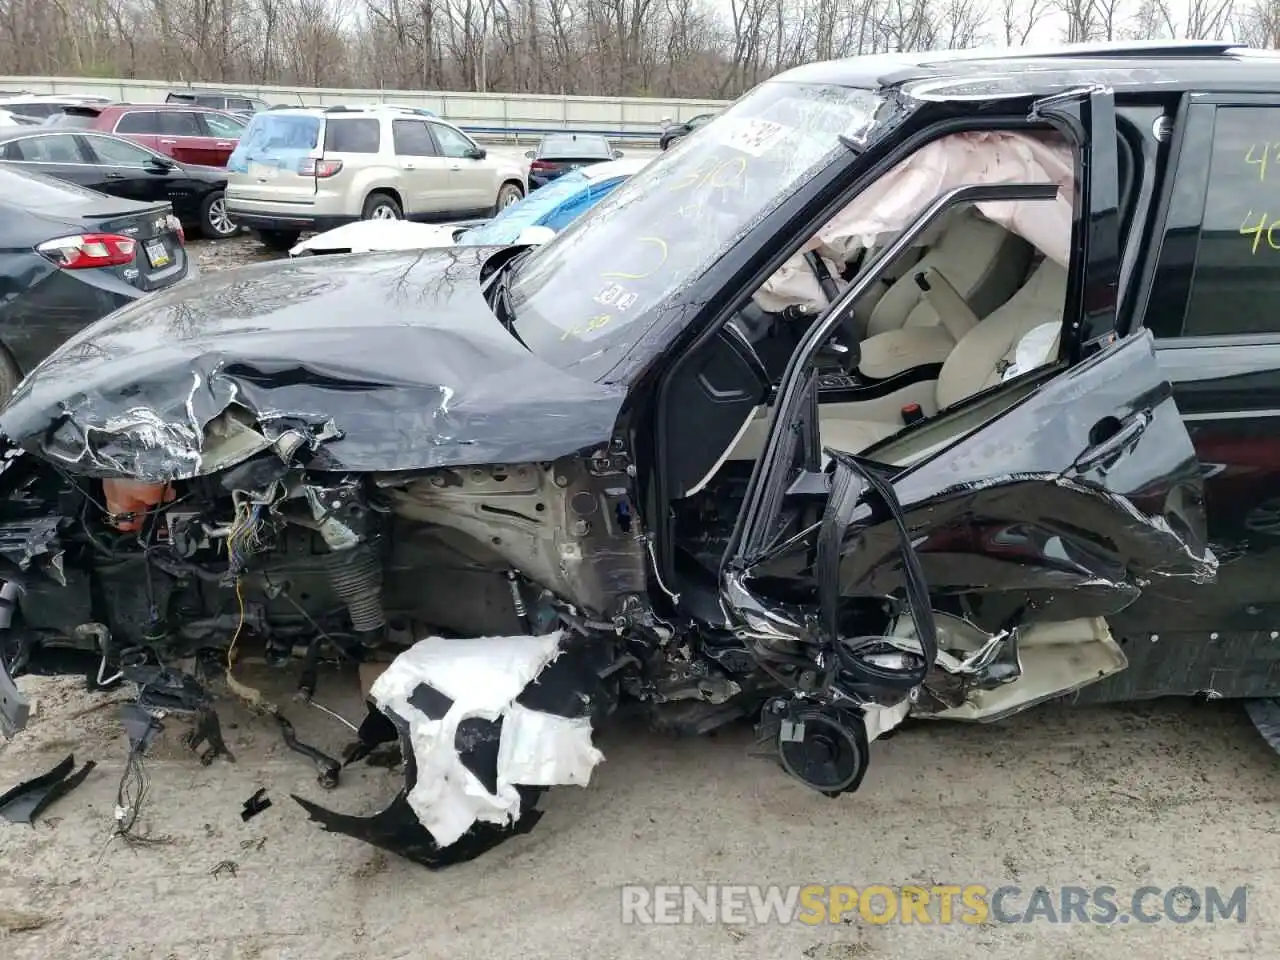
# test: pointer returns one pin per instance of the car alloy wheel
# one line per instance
(384, 211)
(219, 221)
(507, 196)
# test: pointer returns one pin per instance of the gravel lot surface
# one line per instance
(1161, 795)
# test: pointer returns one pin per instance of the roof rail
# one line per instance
(1162, 48)
(1151, 48)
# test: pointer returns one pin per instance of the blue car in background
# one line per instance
(535, 219)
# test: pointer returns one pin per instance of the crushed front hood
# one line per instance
(389, 361)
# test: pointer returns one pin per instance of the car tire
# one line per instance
(278, 240)
(10, 375)
(508, 194)
(381, 206)
(215, 224)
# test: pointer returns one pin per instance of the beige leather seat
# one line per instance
(982, 260)
(977, 362)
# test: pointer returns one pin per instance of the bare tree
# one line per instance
(670, 48)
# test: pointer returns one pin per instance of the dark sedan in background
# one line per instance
(124, 169)
(69, 256)
(678, 131)
(558, 153)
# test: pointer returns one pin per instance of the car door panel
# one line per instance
(1226, 385)
(1060, 500)
(424, 174)
(1089, 482)
(471, 182)
(220, 136)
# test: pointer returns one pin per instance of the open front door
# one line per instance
(971, 575)
(1024, 535)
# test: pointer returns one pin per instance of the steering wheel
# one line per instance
(836, 350)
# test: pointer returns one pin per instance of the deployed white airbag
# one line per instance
(482, 676)
(889, 205)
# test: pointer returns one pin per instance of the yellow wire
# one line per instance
(248, 694)
(231, 650)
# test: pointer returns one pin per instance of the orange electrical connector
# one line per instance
(133, 497)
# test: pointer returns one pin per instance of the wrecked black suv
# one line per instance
(912, 385)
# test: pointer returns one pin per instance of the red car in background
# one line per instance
(189, 134)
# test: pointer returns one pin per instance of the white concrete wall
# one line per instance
(488, 115)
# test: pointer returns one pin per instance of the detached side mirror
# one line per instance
(477, 153)
(158, 165)
(531, 154)
(617, 154)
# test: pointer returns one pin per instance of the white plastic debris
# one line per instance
(482, 676)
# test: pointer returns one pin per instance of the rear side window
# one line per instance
(236, 103)
(180, 123)
(139, 121)
(40, 110)
(55, 148)
(1233, 261)
(352, 136)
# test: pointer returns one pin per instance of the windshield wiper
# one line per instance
(500, 289)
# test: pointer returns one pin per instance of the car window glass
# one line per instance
(139, 121)
(412, 139)
(11, 151)
(77, 121)
(452, 143)
(238, 103)
(57, 148)
(352, 136)
(570, 210)
(220, 126)
(532, 210)
(1237, 264)
(577, 147)
(33, 109)
(180, 123)
(118, 152)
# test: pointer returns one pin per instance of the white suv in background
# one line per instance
(316, 168)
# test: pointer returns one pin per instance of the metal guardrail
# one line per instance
(487, 115)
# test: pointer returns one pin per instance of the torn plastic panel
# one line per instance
(26, 801)
(384, 362)
(1076, 498)
(484, 725)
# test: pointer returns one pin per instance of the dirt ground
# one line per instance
(1160, 794)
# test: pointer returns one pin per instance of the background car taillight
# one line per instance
(541, 165)
(311, 167)
(87, 250)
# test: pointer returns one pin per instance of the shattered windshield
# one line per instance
(592, 288)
